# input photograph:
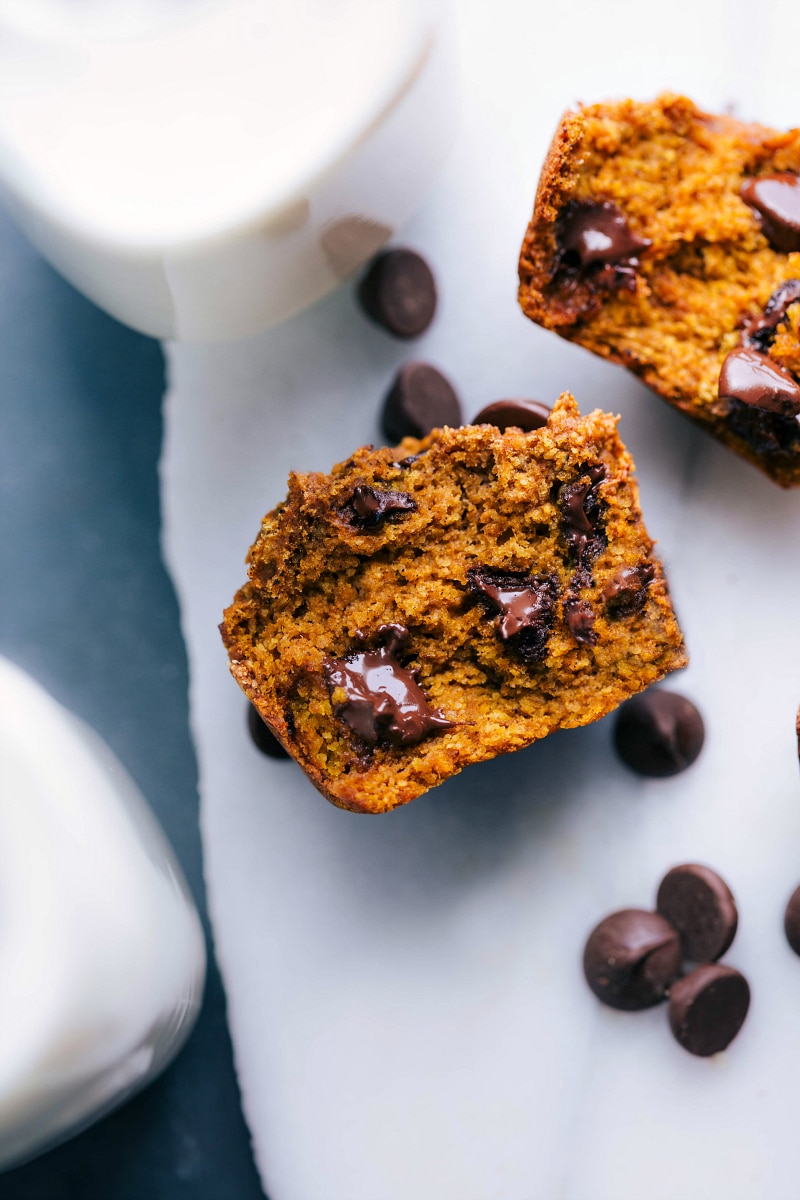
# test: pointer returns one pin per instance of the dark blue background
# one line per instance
(87, 608)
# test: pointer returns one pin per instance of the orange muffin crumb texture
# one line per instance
(427, 607)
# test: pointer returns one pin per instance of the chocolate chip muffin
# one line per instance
(458, 597)
(668, 240)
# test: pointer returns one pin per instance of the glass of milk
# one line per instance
(205, 168)
(102, 950)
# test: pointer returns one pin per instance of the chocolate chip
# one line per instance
(659, 733)
(701, 907)
(776, 199)
(420, 399)
(599, 233)
(791, 921)
(262, 735)
(368, 508)
(385, 705)
(760, 332)
(626, 594)
(398, 292)
(579, 618)
(581, 510)
(631, 959)
(753, 378)
(523, 606)
(707, 1008)
(519, 414)
(766, 433)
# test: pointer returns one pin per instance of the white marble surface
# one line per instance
(405, 993)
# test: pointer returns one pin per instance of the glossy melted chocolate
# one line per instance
(385, 705)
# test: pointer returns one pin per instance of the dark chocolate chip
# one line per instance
(598, 234)
(631, 959)
(368, 508)
(707, 1008)
(791, 921)
(398, 292)
(753, 378)
(385, 705)
(523, 606)
(419, 400)
(581, 510)
(262, 735)
(764, 432)
(626, 594)
(701, 907)
(579, 618)
(797, 732)
(776, 199)
(659, 733)
(760, 332)
(519, 414)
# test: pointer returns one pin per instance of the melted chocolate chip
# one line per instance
(776, 199)
(596, 243)
(699, 903)
(754, 379)
(579, 618)
(760, 332)
(523, 606)
(368, 508)
(519, 414)
(626, 594)
(659, 733)
(766, 433)
(263, 737)
(419, 400)
(707, 1008)
(631, 959)
(385, 705)
(791, 921)
(398, 292)
(581, 510)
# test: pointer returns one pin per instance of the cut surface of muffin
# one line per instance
(455, 598)
(668, 240)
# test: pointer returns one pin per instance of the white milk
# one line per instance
(102, 950)
(203, 168)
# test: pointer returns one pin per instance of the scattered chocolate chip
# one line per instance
(520, 414)
(385, 705)
(707, 1008)
(753, 378)
(791, 921)
(760, 331)
(398, 292)
(523, 605)
(262, 735)
(797, 732)
(626, 594)
(776, 199)
(368, 508)
(581, 510)
(701, 907)
(579, 618)
(631, 959)
(420, 399)
(659, 733)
